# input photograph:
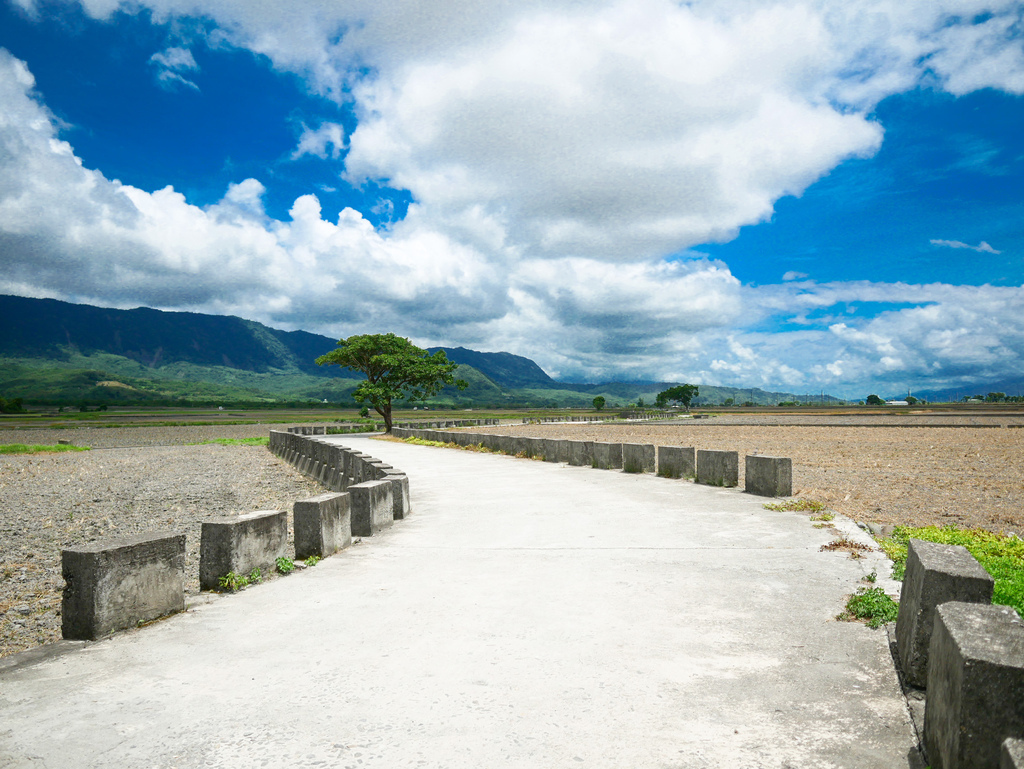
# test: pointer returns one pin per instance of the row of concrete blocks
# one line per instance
(118, 584)
(339, 468)
(341, 428)
(764, 476)
(969, 656)
(566, 418)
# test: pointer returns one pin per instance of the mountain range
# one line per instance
(59, 353)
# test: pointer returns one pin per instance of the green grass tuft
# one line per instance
(1002, 556)
(35, 448)
(260, 441)
(871, 604)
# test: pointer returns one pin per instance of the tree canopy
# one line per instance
(682, 394)
(874, 400)
(599, 402)
(394, 367)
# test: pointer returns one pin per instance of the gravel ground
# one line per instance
(52, 501)
(969, 476)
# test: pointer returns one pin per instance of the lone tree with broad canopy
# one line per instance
(681, 394)
(394, 368)
(599, 402)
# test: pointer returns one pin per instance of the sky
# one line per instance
(801, 195)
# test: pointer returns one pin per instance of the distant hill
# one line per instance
(47, 328)
(502, 368)
(58, 352)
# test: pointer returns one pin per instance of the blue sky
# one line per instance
(792, 195)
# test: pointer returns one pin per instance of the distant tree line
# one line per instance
(12, 406)
(994, 398)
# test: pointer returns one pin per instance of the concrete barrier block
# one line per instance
(935, 574)
(1012, 756)
(240, 544)
(676, 462)
(116, 584)
(581, 453)
(400, 494)
(638, 458)
(323, 525)
(535, 447)
(975, 680)
(563, 449)
(373, 507)
(550, 449)
(607, 456)
(768, 476)
(718, 468)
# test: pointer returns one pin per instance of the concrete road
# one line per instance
(526, 615)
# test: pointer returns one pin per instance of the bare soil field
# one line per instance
(53, 501)
(967, 476)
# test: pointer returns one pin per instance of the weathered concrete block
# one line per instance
(718, 468)
(563, 449)
(607, 456)
(550, 449)
(935, 574)
(638, 458)
(323, 525)
(400, 494)
(118, 583)
(676, 462)
(581, 453)
(373, 507)
(240, 544)
(975, 681)
(1012, 755)
(768, 476)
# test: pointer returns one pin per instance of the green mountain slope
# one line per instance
(60, 353)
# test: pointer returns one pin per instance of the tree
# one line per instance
(599, 402)
(682, 394)
(911, 400)
(874, 400)
(394, 368)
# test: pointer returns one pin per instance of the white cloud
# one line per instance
(794, 275)
(623, 132)
(982, 247)
(171, 63)
(326, 141)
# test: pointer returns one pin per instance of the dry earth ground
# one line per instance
(52, 501)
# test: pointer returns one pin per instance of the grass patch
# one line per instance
(261, 441)
(36, 448)
(442, 445)
(1002, 556)
(872, 605)
(800, 506)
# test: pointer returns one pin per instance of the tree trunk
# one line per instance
(386, 413)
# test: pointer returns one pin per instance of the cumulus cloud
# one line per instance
(325, 141)
(982, 247)
(559, 154)
(170, 65)
(74, 234)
